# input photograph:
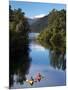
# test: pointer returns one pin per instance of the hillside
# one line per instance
(38, 24)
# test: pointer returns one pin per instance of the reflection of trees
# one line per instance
(19, 63)
(19, 58)
(57, 60)
(57, 54)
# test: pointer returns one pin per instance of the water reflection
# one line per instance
(57, 60)
(19, 64)
(57, 54)
(46, 58)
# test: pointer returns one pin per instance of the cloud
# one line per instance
(38, 16)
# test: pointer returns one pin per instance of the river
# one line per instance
(41, 63)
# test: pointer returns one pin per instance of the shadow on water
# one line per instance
(20, 61)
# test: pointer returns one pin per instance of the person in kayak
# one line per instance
(31, 81)
(38, 77)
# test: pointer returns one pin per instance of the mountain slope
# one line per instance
(39, 24)
(31, 21)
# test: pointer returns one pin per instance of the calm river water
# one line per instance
(42, 62)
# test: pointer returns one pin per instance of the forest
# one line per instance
(54, 36)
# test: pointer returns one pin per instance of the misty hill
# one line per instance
(38, 24)
(31, 21)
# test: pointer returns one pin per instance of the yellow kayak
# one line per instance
(30, 82)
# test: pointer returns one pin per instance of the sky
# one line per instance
(36, 9)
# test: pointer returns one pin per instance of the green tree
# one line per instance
(55, 33)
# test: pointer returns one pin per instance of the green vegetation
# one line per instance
(54, 36)
(19, 60)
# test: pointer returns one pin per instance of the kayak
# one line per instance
(30, 82)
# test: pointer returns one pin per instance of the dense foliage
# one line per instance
(54, 36)
(19, 61)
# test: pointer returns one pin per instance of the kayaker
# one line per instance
(31, 81)
(38, 77)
